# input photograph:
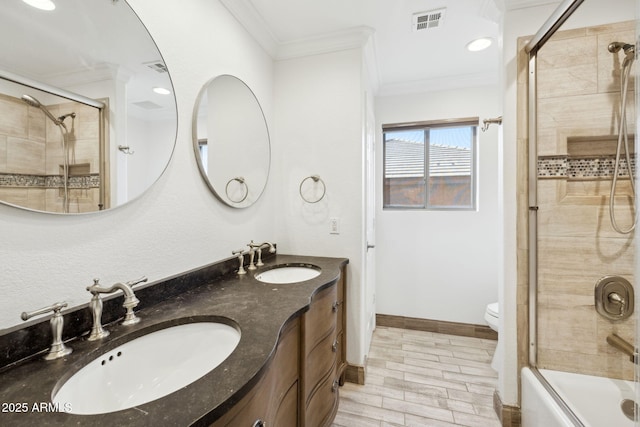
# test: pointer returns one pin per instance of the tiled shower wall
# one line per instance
(31, 156)
(578, 112)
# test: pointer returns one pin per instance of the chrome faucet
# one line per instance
(130, 302)
(624, 346)
(58, 349)
(258, 248)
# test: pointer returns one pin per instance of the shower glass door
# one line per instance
(582, 164)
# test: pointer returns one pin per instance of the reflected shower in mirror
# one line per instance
(231, 141)
(72, 91)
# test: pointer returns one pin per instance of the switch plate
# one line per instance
(334, 225)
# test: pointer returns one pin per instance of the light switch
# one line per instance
(334, 225)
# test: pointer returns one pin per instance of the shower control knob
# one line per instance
(614, 297)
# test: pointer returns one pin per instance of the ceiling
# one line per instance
(405, 60)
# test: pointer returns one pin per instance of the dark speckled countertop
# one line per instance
(260, 310)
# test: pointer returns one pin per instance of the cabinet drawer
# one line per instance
(321, 317)
(319, 362)
(323, 405)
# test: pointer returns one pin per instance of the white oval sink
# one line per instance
(288, 274)
(147, 368)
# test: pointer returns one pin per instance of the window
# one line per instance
(449, 164)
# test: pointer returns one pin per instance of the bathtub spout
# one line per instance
(624, 346)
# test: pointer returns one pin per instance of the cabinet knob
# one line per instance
(335, 385)
(335, 306)
(334, 347)
(259, 423)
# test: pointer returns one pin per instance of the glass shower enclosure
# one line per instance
(582, 205)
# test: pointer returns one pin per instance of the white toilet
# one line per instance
(492, 316)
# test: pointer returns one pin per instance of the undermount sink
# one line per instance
(288, 274)
(147, 368)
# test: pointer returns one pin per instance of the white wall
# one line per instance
(147, 139)
(178, 224)
(440, 265)
(318, 129)
(519, 23)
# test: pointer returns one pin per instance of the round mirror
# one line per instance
(87, 113)
(231, 141)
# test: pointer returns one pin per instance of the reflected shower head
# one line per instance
(35, 103)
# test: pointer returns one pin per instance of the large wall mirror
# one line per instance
(87, 112)
(231, 141)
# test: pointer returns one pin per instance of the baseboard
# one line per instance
(354, 374)
(439, 326)
(509, 415)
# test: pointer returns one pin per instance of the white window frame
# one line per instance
(473, 123)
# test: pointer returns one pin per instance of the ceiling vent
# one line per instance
(147, 105)
(157, 66)
(428, 20)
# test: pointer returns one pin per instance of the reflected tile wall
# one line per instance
(31, 156)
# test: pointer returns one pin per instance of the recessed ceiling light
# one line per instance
(479, 44)
(161, 91)
(41, 4)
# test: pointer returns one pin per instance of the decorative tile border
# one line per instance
(552, 167)
(49, 181)
(582, 167)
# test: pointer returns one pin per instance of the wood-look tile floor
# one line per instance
(416, 378)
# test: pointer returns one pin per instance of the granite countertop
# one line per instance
(260, 310)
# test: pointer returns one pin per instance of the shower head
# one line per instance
(35, 103)
(31, 101)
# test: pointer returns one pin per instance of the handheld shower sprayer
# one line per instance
(623, 136)
(35, 103)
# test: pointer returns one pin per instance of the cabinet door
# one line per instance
(287, 413)
(271, 398)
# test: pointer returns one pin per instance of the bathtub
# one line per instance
(590, 401)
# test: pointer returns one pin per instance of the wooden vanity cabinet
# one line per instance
(273, 401)
(323, 353)
(300, 386)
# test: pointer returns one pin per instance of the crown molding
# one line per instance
(438, 84)
(254, 24)
(351, 38)
(524, 4)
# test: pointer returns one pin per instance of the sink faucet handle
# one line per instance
(54, 307)
(240, 254)
(136, 281)
(58, 349)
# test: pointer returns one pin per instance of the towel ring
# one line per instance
(242, 181)
(315, 178)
